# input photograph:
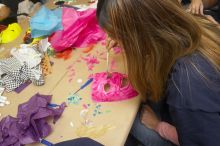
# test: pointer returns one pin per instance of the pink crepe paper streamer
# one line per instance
(78, 60)
(103, 43)
(85, 106)
(90, 61)
(71, 72)
(101, 55)
(117, 50)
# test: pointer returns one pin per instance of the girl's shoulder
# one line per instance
(194, 84)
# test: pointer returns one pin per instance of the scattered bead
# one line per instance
(2, 104)
(84, 113)
(74, 99)
(2, 90)
(7, 102)
(71, 124)
(3, 97)
(79, 81)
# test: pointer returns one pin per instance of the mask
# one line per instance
(113, 88)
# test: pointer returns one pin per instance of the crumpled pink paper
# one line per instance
(80, 29)
(116, 90)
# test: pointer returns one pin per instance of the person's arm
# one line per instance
(164, 129)
(4, 12)
(193, 98)
(209, 3)
(196, 128)
(168, 132)
(197, 6)
(9, 8)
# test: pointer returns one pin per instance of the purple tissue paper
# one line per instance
(31, 122)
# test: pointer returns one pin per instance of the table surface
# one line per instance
(111, 127)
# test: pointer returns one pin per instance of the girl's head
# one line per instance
(154, 33)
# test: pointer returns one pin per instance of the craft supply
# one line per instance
(7, 102)
(52, 105)
(107, 65)
(3, 97)
(15, 74)
(71, 72)
(93, 131)
(66, 54)
(116, 88)
(117, 50)
(81, 29)
(31, 124)
(79, 81)
(22, 86)
(107, 59)
(2, 90)
(97, 110)
(2, 101)
(74, 99)
(90, 60)
(46, 65)
(113, 66)
(84, 85)
(84, 113)
(85, 106)
(71, 124)
(45, 142)
(88, 49)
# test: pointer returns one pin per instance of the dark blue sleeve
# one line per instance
(194, 84)
(193, 96)
(196, 128)
(84, 141)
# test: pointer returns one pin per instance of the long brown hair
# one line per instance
(154, 34)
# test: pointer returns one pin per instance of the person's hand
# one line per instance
(4, 12)
(196, 7)
(210, 18)
(149, 118)
(110, 43)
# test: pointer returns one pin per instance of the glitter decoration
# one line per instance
(74, 99)
(97, 110)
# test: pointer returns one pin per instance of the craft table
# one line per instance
(113, 120)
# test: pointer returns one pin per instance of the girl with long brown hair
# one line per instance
(171, 55)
